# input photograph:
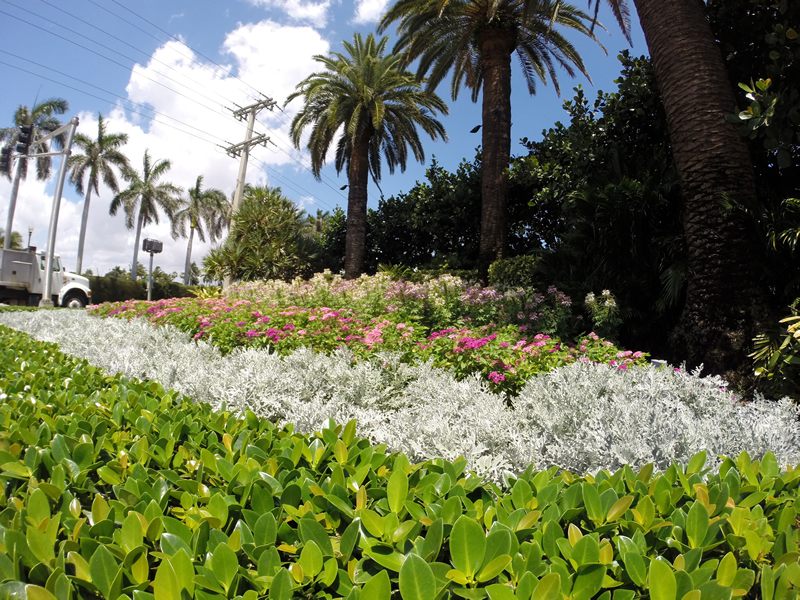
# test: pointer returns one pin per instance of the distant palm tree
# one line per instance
(204, 211)
(316, 223)
(98, 158)
(41, 117)
(16, 239)
(474, 39)
(144, 197)
(378, 105)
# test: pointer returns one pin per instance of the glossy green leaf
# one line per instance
(397, 490)
(282, 585)
(726, 571)
(467, 545)
(104, 570)
(311, 559)
(697, 524)
(165, 584)
(311, 530)
(377, 588)
(586, 550)
(696, 463)
(416, 580)
(132, 534)
(588, 581)
(662, 581)
(40, 545)
(184, 570)
(548, 588)
(496, 566)
(498, 591)
(224, 565)
(636, 568)
(594, 506)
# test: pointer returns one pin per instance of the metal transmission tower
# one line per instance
(242, 150)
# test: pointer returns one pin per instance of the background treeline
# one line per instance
(596, 202)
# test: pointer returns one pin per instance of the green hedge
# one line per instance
(516, 271)
(112, 289)
(116, 488)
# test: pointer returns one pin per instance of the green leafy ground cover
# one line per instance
(118, 488)
(505, 336)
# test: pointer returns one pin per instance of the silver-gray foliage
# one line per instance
(581, 417)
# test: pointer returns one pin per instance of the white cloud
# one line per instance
(266, 54)
(369, 11)
(306, 11)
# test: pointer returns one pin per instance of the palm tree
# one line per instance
(41, 117)
(96, 161)
(205, 210)
(474, 39)
(713, 162)
(378, 105)
(16, 239)
(144, 197)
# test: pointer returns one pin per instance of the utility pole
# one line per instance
(51, 236)
(242, 150)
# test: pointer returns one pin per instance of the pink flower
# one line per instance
(496, 377)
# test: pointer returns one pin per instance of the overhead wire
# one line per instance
(258, 93)
(124, 99)
(150, 56)
(263, 165)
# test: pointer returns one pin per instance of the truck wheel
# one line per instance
(74, 301)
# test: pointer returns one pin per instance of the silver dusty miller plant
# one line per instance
(582, 417)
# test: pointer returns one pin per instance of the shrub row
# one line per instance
(114, 289)
(118, 488)
(582, 417)
(506, 357)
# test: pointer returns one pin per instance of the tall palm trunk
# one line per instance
(135, 264)
(496, 46)
(712, 160)
(82, 236)
(358, 180)
(12, 204)
(188, 267)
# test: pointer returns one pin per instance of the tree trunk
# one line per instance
(12, 203)
(496, 46)
(358, 179)
(187, 269)
(135, 264)
(82, 236)
(712, 160)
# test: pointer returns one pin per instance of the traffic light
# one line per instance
(24, 138)
(5, 159)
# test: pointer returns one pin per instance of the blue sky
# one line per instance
(167, 72)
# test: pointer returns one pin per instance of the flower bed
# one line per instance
(117, 488)
(377, 314)
(581, 417)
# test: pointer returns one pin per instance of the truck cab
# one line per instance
(22, 280)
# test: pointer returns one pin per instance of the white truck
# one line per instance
(21, 280)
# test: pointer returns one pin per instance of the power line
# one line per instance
(101, 89)
(120, 40)
(263, 166)
(126, 67)
(298, 161)
(258, 92)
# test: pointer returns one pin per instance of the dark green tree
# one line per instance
(269, 239)
(474, 40)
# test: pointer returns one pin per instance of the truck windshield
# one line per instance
(56, 263)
